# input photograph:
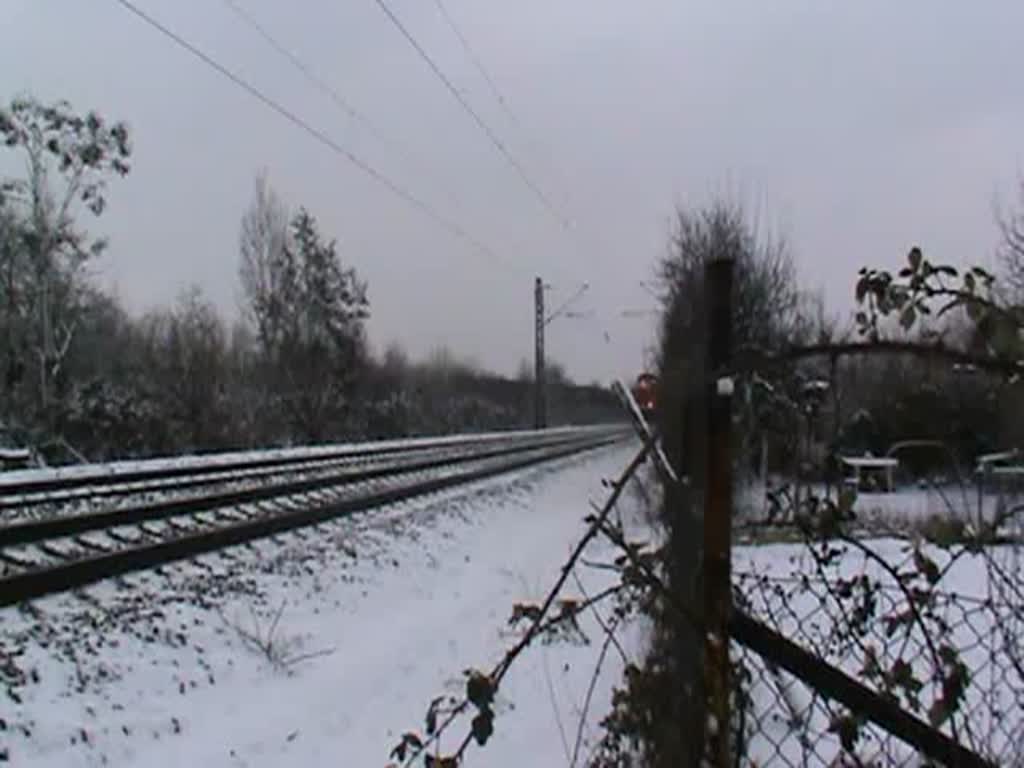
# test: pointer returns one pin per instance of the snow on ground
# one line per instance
(909, 504)
(388, 609)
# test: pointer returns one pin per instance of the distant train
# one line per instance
(645, 392)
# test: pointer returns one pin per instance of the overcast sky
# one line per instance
(858, 129)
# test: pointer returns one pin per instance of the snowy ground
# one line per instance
(908, 505)
(389, 609)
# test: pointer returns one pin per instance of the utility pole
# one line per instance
(540, 393)
(540, 323)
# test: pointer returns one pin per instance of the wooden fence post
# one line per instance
(718, 504)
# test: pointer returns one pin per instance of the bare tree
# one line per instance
(556, 375)
(187, 368)
(394, 366)
(197, 357)
(442, 364)
(262, 243)
(254, 425)
(524, 372)
(1011, 248)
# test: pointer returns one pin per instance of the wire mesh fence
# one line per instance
(917, 592)
(864, 545)
(901, 569)
(951, 657)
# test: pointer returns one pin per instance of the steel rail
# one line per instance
(89, 491)
(200, 466)
(36, 583)
(204, 478)
(34, 531)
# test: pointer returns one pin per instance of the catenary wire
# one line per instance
(468, 108)
(586, 244)
(332, 93)
(477, 62)
(316, 134)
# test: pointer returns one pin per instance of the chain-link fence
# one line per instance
(914, 589)
(915, 592)
(877, 588)
(949, 653)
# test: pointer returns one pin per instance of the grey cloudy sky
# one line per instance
(857, 128)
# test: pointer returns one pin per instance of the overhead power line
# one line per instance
(499, 145)
(317, 134)
(332, 93)
(486, 75)
(477, 62)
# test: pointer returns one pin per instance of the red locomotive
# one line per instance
(645, 392)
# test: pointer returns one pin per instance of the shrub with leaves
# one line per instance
(915, 290)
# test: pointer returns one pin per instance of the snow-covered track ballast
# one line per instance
(63, 551)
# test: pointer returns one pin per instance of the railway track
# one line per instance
(95, 524)
(41, 493)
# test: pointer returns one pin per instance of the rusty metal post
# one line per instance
(718, 505)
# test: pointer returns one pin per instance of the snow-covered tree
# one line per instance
(68, 158)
